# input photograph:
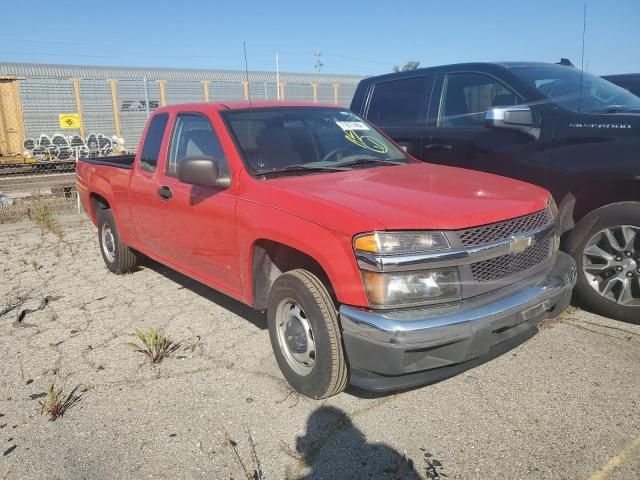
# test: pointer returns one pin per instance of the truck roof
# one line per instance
(479, 66)
(218, 106)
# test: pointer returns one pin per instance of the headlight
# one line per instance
(389, 243)
(403, 289)
(553, 207)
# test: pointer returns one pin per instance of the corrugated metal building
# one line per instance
(113, 101)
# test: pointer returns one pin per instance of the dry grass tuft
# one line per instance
(154, 344)
(46, 220)
(57, 402)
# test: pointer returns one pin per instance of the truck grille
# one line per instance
(498, 231)
(506, 265)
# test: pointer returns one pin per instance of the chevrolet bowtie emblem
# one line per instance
(518, 245)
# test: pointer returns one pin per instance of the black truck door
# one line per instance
(457, 134)
(399, 108)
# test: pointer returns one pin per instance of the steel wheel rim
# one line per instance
(295, 337)
(611, 264)
(108, 243)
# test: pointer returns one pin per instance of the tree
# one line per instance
(410, 65)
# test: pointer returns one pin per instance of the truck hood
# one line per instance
(414, 196)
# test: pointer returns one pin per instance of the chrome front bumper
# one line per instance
(396, 349)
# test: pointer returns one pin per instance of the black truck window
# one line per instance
(194, 136)
(467, 96)
(398, 102)
(153, 142)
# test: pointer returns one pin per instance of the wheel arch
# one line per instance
(592, 195)
(97, 203)
(271, 258)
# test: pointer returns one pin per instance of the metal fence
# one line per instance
(52, 113)
(29, 196)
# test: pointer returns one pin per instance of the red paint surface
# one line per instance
(209, 234)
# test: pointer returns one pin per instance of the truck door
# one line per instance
(457, 135)
(145, 205)
(199, 222)
(399, 107)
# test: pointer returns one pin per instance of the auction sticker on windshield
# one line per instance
(347, 126)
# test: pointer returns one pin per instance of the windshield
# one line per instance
(562, 85)
(302, 140)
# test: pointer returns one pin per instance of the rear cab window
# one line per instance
(466, 97)
(153, 142)
(400, 102)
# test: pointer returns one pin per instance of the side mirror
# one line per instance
(202, 171)
(520, 118)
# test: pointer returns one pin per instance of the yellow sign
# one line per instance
(69, 120)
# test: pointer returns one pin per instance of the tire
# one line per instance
(591, 232)
(117, 256)
(325, 374)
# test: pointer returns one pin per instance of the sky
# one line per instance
(354, 37)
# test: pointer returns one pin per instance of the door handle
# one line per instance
(434, 147)
(165, 192)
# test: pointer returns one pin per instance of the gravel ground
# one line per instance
(563, 405)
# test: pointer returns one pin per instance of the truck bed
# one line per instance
(118, 161)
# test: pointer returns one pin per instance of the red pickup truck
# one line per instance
(374, 268)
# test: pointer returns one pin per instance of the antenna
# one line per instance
(277, 75)
(584, 30)
(319, 64)
(246, 72)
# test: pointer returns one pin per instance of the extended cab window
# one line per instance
(467, 96)
(194, 136)
(399, 102)
(153, 142)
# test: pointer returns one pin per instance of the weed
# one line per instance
(193, 344)
(57, 402)
(154, 344)
(46, 220)
(253, 474)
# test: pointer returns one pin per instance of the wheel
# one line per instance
(304, 332)
(117, 256)
(606, 247)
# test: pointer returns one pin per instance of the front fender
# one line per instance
(331, 249)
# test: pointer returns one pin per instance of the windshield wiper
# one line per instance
(300, 169)
(367, 160)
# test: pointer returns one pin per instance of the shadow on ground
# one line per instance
(253, 316)
(333, 447)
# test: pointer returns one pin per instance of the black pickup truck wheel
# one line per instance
(606, 247)
(117, 256)
(304, 332)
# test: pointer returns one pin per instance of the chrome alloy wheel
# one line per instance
(295, 337)
(611, 264)
(108, 243)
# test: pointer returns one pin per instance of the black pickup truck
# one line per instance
(574, 133)
(628, 81)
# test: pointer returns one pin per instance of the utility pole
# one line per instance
(319, 64)
(277, 75)
(146, 96)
